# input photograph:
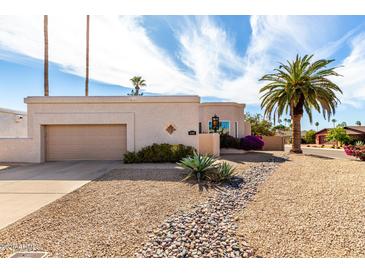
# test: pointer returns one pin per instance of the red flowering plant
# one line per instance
(356, 151)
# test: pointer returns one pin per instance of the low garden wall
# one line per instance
(209, 144)
(17, 150)
(273, 143)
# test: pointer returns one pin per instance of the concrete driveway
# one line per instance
(27, 188)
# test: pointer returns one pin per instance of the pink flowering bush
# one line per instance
(356, 151)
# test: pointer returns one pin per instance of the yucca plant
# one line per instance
(224, 172)
(201, 167)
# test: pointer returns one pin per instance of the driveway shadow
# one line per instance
(58, 171)
(254, 157)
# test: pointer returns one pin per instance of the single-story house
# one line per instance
(13, 123)
(104, 128)
(355, 132)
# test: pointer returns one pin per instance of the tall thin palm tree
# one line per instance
(45, 76)
(87, 55)
(137, 82)
(316, 124)
(334, 122)
(299, 86)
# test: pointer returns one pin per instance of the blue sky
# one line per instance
(219, 58)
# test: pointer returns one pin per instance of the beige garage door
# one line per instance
(85, 142)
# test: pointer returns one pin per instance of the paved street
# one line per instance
(324, 152)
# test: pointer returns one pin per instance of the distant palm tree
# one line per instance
(285, 121)
(334, 122)
(343, 124)
(137, 82)
(87, 55)
(316, 124)
(299, 86)
(358, 123)
(45, 76)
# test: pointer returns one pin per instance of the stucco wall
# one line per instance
(233, 112)
(18, 150)
(146, 118)
(11, 125)
(209, 144)
(273, 143)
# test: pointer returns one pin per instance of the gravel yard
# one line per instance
(209, 231)
(310, 207)
(145, 211)
(109, 217)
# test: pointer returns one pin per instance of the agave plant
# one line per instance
(201, 167)
(224, 172)
(359, 143)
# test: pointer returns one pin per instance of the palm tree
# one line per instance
(299, 86)
(358, 123)
(334, 122)
(138, 82)
(87, 55)
(316, 124)
(45, 76)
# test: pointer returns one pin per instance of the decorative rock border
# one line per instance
(209, 231)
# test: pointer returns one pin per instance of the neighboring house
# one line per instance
(355, 132)
(13, 123)
(104, 128)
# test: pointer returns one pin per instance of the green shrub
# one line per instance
(310, 137)
(338, 135)
(228, 141)
(130, 157)
(201, 167)
(159, 153)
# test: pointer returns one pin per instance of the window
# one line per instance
(224, 124)
(200, 127)
(236, 129)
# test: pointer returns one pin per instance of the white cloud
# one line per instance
(120, 48)
(353, 81)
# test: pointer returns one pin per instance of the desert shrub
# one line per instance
(251, 143)
(228, 141)
(201, 167)
(159, 153)
(224, 172)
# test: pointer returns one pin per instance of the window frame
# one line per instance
(220, 122)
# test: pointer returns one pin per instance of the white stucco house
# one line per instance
(13, 123)
(105, 127)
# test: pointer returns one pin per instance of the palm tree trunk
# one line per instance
(45, 77)
(296, 134)
(87, 55)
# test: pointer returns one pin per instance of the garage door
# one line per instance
(85, 142)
